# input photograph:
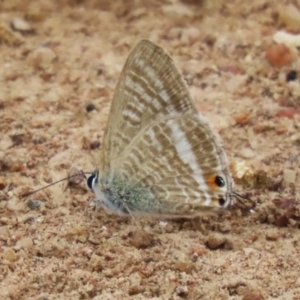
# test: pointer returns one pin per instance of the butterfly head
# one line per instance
(92, 180)
(220, 186)
(222, 192)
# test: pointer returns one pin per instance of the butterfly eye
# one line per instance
(219, 181)
(222, 201)
(92, 179)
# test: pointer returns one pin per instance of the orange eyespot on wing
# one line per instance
(216, 181)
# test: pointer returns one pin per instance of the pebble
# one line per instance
(247, 153)
(181, 290)
(9, 254)
(135, 289)
(288, 39)
(90, 107)
(25, 242)
(291, 76)
(94, 239)
(178, 11)
(215, 241)
(272, 235)
(249, 295)
(33, 204)
(19, 24)
(141, 239)
(235, 82)
(279, 55)
(248, 251)
(289, 15)
(242, 171)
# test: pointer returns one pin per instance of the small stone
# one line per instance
(198, 250)
(94, 145)
(289, 15)
(291, 76)
(135, 289)
(82, 238)
(90, 107)
(141, 239)
(9, 254)
(33, 205)
(25, 242)
(242, 172)
(288, 39)
(215, 241)
(272, 235)
(21, 25)
(249, 295)
(94, 239)
(181, 290)
(242, 118)
(246, 153)
(178, 11)
(235, 82)
(278, 55)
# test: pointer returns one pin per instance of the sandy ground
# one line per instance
(66, 59)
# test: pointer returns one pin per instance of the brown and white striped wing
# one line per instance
(150, 86)
(178, 159)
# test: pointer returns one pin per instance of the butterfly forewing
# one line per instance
(145, 92)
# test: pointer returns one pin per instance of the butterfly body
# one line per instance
(159, 155)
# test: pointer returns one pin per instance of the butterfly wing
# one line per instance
(150, 86)
(159, 156)
(182, 162)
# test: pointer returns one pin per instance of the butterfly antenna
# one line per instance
(94, 162)
(241, 199)
(88, 149)
(66, 178)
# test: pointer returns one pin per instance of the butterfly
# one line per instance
(159, 156)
